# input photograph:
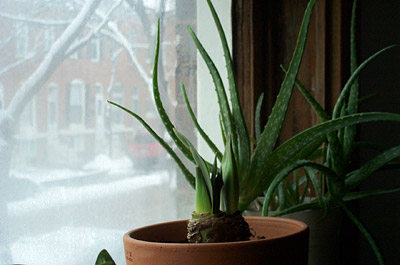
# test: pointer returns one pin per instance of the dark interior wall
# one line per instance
(379, 27)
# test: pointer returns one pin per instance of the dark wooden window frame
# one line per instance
(264, 36)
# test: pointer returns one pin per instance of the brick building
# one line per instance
(67, 121)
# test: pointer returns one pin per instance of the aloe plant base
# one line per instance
(285, 242)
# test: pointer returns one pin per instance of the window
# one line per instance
(133, 39)
(77, 54)
(76, 103)
(117, 95)
(27, 122)
(99, 105)
(135, 99)
(49, 37)
(52, 106)
(84, 190)
(93, 50)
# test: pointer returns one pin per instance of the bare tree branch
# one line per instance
(47, 22)
(74, 47)
(140, 10)
(17, 63)
(5, 41)
(120, 38)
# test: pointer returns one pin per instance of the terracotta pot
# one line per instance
(286, 242)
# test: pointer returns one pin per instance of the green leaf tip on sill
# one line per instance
(104, 258)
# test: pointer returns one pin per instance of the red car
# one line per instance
(145, 150)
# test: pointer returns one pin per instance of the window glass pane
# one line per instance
(76, 173)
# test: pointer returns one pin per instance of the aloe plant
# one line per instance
(337, 180)
(247, 174)
(223, 191)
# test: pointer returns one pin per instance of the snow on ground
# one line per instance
(113, 166)
(58, 196)
(100, 164)
(64, 194)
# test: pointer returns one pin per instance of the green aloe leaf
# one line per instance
(364, 231)
(203, 201)
(160, 108)
(284, 172)
(321, 113)
(223, 133)
(318, 187)
(282, 196)
(317, 153)
(355, 178)
(257, 116)
(350, 132)
(367, 98)
(301, 146)
(104, 258)
(269, 136)
(291, 192)
(207, 139)
(243, 153)
(199, 161)
(230, 189)
(216, 182)
(305, 189)
(342, 97)
(364, 194)
(189, 176)
(298, 208)
(219, 87)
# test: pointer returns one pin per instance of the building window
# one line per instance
(94, 50)
(50, 36)
(77, 54)
(76, 103)
(135, 99)
(52, 106)
(117, 95)
(99, 100)
(27, 121)
(22, 39)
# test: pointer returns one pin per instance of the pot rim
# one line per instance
(300, 228)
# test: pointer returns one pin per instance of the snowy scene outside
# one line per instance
(75, 172)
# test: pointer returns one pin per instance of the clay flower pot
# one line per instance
(286, 242)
